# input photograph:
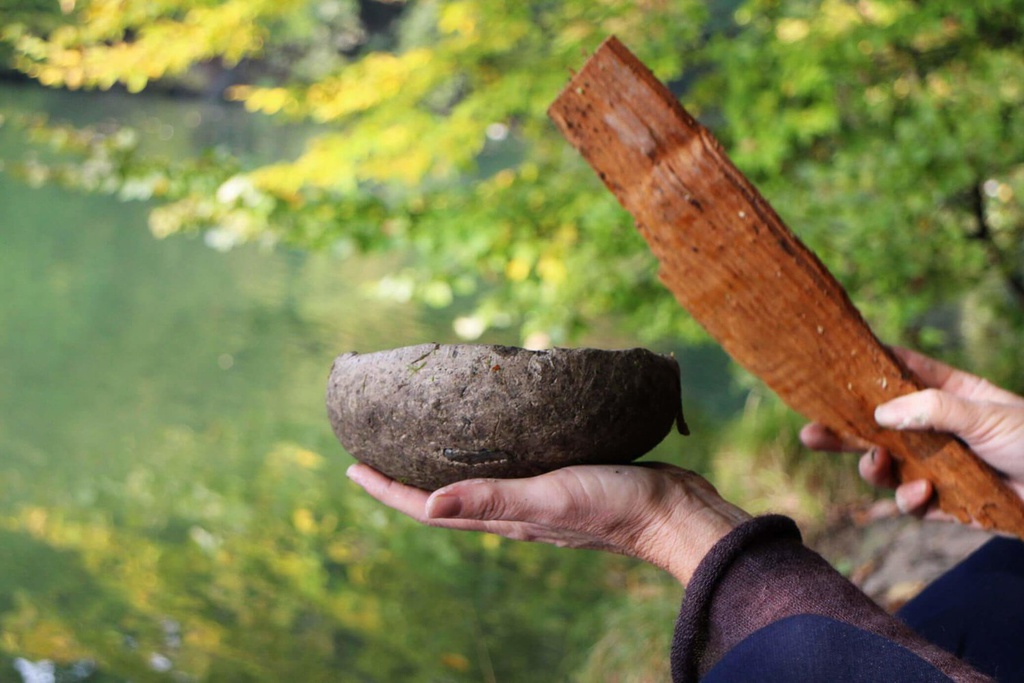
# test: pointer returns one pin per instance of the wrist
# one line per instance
(685, 539)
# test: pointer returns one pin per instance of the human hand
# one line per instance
(988, 419)
(658, 513)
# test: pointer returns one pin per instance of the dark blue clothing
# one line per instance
(976, 610)
(809, 648)
(762, 607)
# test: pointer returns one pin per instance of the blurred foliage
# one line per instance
(886, 132)
(894, 146)
(760, 461)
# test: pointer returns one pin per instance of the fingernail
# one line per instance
(444, 506)
(894, 416)
(887, 416)
(349, 473)
(909, 496)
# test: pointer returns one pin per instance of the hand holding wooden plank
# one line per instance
(765, 297)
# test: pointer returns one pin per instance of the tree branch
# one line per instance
(996, 256)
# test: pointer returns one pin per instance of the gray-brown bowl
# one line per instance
(432, 414)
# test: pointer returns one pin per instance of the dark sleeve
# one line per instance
(761, 573)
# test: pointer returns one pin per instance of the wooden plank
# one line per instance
(743, 275)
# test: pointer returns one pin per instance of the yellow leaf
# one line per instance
(837, 17)
(457, 17)
(455, 662)
(504, 178)
(308, 459)
(339, 552)
(552, 270)
(517, 270)
(567, 234)
(792, 30)
(304, 521)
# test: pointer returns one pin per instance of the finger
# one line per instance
(937, 375)
(412, 502)
(543, 498)
(405, 499)
(914, 497)
(408, 500)
(820, 438)
(917, 498)
(941, 411)
(932, 372)
(876, 468)
(928, 510)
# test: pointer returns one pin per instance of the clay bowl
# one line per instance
(432, 414)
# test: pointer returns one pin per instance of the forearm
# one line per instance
(762, 573)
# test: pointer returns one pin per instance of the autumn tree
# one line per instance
(886, 132)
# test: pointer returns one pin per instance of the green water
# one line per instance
(173, 501)
(110, 338)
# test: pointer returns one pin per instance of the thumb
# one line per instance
(488, 499)
(938, 410)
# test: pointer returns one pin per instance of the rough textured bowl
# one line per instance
(432, 414)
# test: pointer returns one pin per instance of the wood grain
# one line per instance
(743, 275)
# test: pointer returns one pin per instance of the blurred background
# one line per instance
(203, 202)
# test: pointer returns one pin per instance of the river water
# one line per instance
(173, 501)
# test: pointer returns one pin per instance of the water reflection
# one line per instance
(173, 502)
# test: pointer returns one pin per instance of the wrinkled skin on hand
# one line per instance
(658, 513)
(988, 419)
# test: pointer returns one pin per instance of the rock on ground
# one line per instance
(892, 557)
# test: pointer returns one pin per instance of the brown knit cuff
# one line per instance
(692, 628)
